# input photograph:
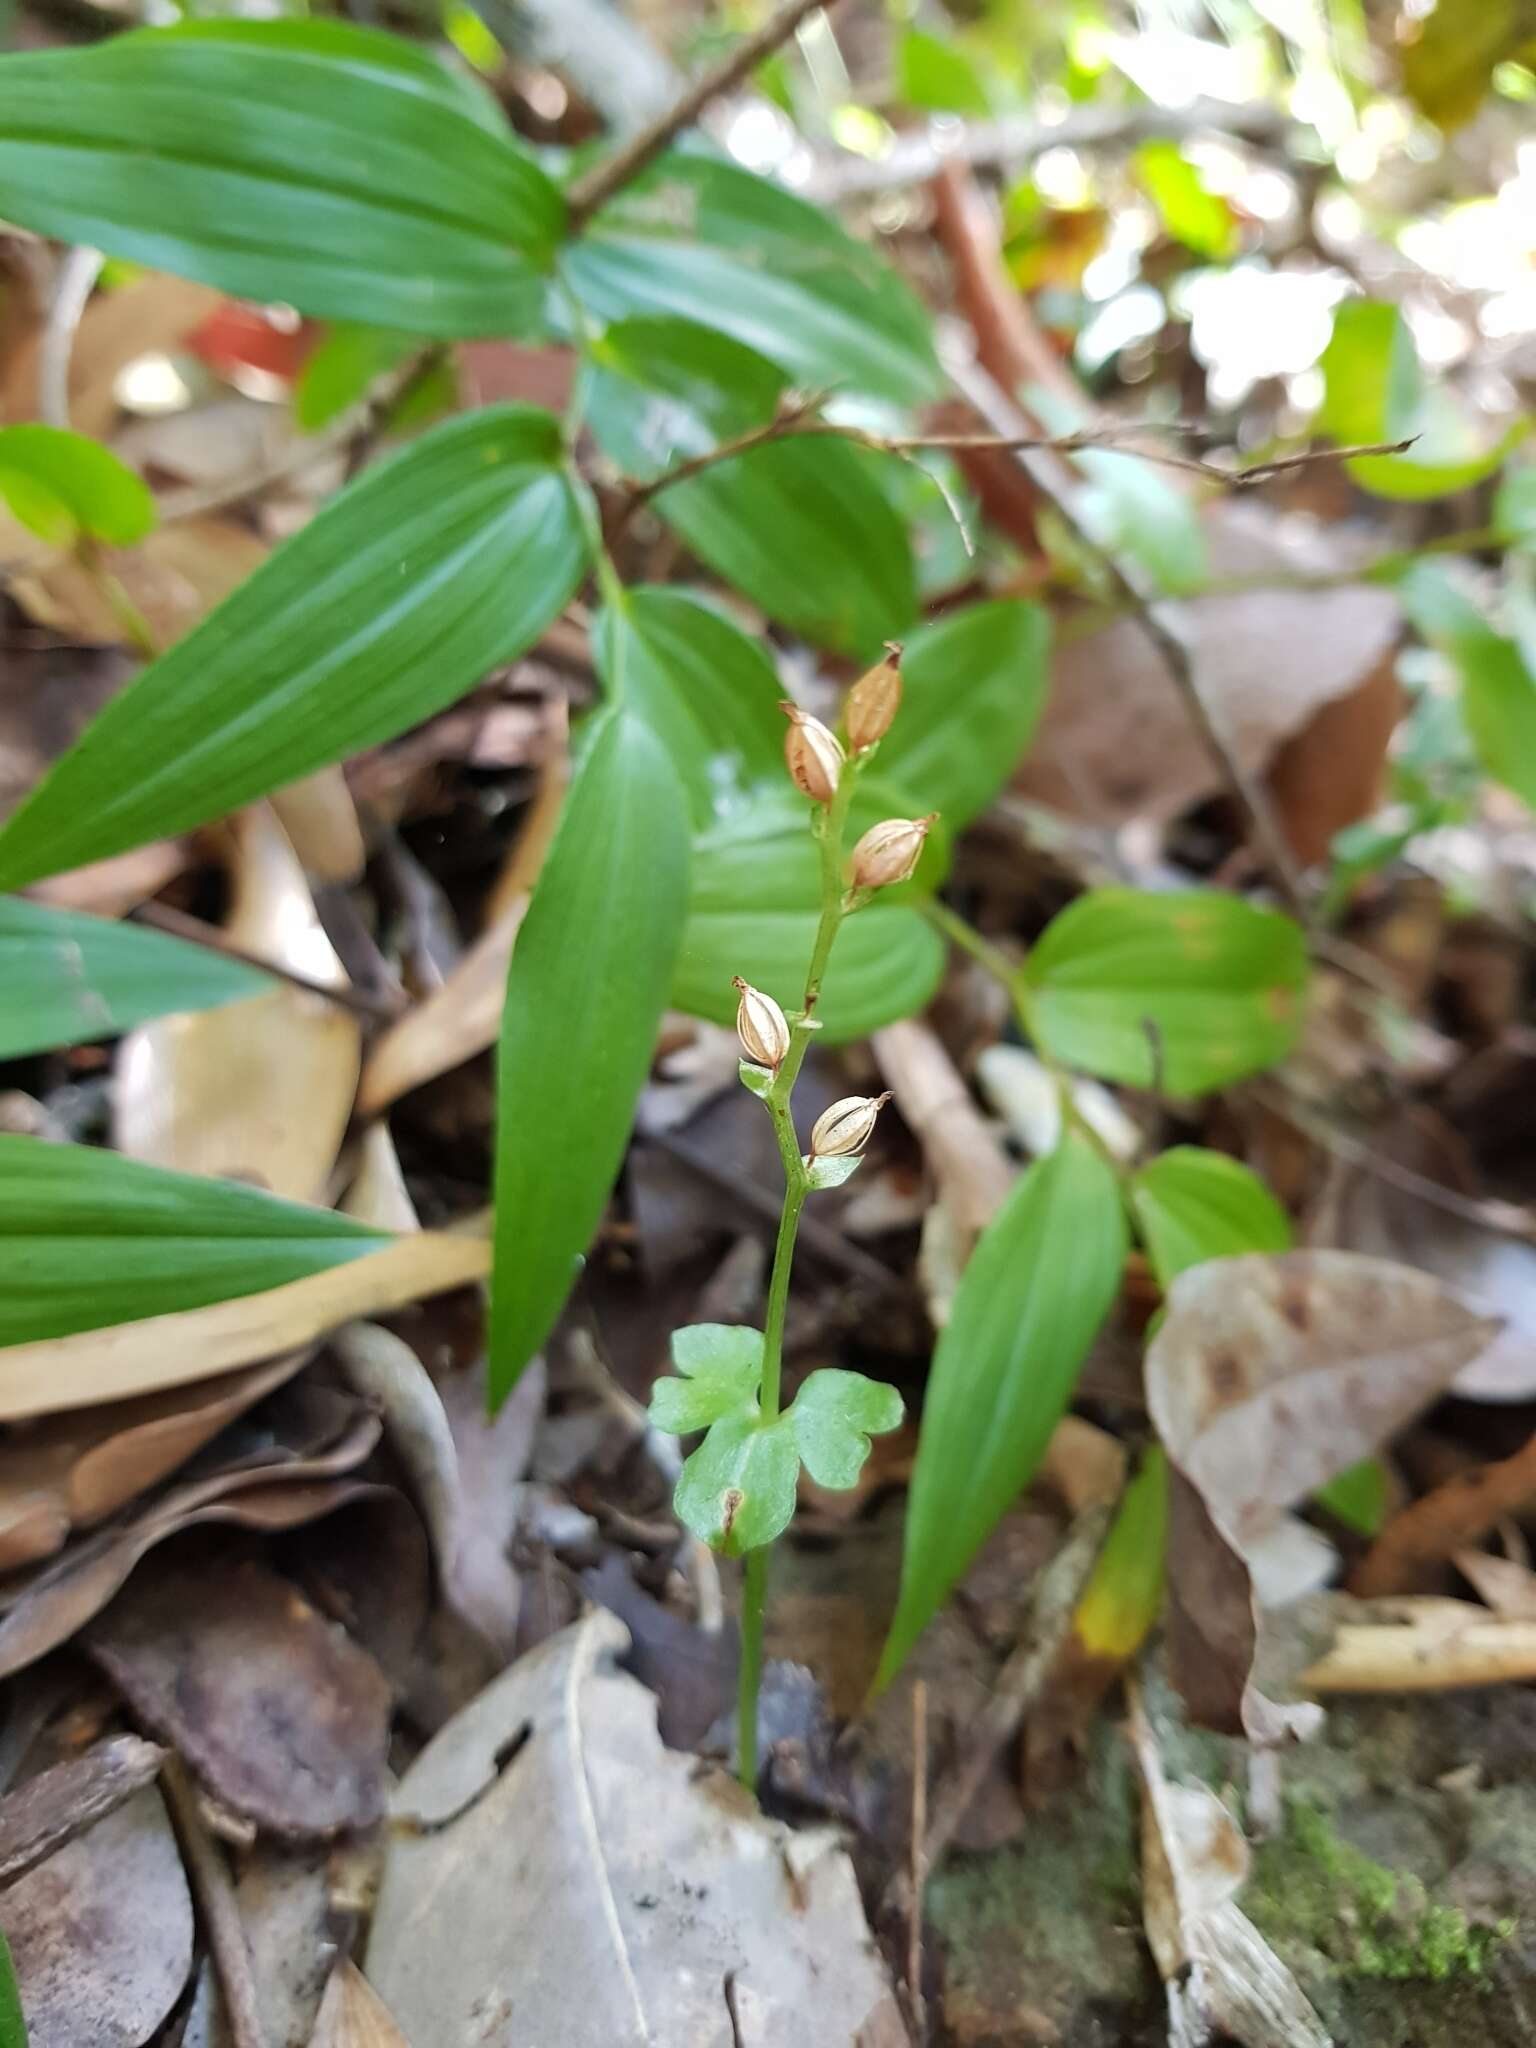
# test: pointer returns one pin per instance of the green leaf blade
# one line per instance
(437, 564)
(66, 978)
(1192, 1205)
(588, 983)
(93, 1239)
(1040, 1282)
(345, 172)
(62, 485)
(1188, 991)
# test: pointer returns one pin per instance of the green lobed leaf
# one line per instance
(700, 239)
(66, 978)
(834, 1416)
(720, 1367)
(707, 691)
(343, 369)
(1498, 690)
(1191, 1205)
(973, 687)
(802, 525)
(337, 169)
(1040, 1282)
(585, 994)
(737, 1491)
(91, 1239)
(1186, 991)
(437, 564)
(62, 485)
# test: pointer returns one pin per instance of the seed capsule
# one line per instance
(889, 852)
(814, 756)
(874, 701)
(761, 1026)
(846, 1126)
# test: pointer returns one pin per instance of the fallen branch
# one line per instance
(214, 1890)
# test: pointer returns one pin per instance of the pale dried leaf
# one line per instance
(452, 1024)
(386, 1371)
(151, 315)
(321, 822)
(173, 577)
(113, 887)
(1223, 1980)
(59, 1804)
(101, 1933)
(592, 1857)
(259, 1090)
(353, 2015)
(1500, 1583)
(1427, 1645)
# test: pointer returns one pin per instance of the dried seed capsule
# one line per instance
(815, 758)
(846, 1126)
(874, 701)
(889, 851)
(761, 1026)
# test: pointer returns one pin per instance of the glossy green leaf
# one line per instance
(1498, 690)
(1193, 214)
(91, 1238)
(834, 1416)
(737, 1491)
(339, 170)
(800, 525)
(754, 913)
(13, 2026)
(1040, 1282)
(719, 1368)
(437, 564)
(584, 998)
(704, 240)
(934, 73)
(709, 693)
(1191, 1205)
(66, 978)
(973, 687)
(343, 369)
(1357, 1496)
(62, 485)
(1184, 992)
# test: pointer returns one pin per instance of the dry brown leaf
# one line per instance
(1224, 1982)
(173, 577)
(596, 1858)
(101, 1933)
(452, 1024)
(1268, 1376)
(1462, 1511)
(50, 695)
(56, 1806)
(113, 887)
(352, 2014)
(259, 1090)
(321, 822)
(1428, 1645)
(149, 316)
(194, 1344)
(281, 1715)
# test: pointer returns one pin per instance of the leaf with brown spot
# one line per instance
(282, 1716)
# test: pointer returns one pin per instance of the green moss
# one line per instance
(1313, 1888)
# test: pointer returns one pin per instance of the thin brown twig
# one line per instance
(166, 918)
(919, 1867)
(214, 1891)
(595, 187)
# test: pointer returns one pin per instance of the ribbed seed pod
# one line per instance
(874, 701)
(889, 852)
(813, 754)
(761, 1026)
(846, 1126)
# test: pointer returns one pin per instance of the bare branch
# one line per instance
(598, 185)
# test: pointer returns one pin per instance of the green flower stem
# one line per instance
(796, 1187)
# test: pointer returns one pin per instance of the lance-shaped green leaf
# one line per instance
(1186, 992)
(436, 565)
(802, 525)
(66, 978)
(708, 693)
(1498, 688)
(1192, 1205)
(719, 1368)
(1040, 1282)
(88, 1238)
(62, 486)
(342, 171)
(587, 986)
(700, 239)
(737, 1491)
(834, 1416)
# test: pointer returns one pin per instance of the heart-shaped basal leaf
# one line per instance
(1184, 992)
(62, 485)
(834, 1416)
(801, 525)
(720, 1367)
(1040, 1282)
(701, 239)
(332, 168)
(66, 978)
(737, 1491)
(437, 564)
(585, 993)
(1191, 1205)
(89, 1238)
